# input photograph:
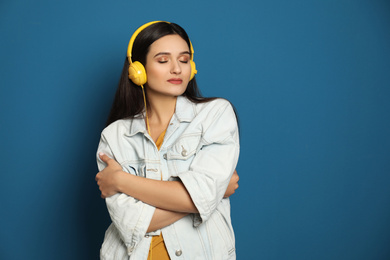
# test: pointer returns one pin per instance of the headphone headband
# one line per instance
(140, 29)
(135, 34)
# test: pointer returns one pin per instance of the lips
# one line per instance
(175, 81)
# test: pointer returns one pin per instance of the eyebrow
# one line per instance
(168, 53)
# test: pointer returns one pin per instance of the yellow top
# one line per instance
(160, 140)
(157, 249)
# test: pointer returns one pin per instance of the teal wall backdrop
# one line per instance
(310, 81)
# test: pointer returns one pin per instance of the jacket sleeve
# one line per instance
(130, 216)
(213, 165)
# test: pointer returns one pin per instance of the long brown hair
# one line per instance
(128, 101)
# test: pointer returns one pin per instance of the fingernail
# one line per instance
(101, 154)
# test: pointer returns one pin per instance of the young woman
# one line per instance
(180, 149)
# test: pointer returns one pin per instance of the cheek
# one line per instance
(152, 73)
(187, 71)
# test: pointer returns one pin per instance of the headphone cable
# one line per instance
(146, 111)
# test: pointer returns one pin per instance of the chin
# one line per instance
(178, 91)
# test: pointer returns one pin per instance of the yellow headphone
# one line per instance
(137, 72)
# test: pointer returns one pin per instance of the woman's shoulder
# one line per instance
(120, 126)
(187, 109)
(214, 106)
(209, 103)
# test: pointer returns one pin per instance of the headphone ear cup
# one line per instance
(193, 69)
(137, 73)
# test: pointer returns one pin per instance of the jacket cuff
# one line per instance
(201, 203)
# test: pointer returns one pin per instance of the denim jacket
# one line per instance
(200, 148)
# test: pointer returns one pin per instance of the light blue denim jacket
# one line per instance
(200, 148)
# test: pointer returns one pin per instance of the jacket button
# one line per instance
(178, 252)
(165, 156)
(184, 153)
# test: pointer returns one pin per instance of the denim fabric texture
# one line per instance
(201, 149)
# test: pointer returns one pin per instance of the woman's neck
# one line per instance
(160, 112)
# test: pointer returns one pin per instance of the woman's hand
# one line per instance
(108, 178)
(233, 185)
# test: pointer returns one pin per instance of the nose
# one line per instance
(176, 68)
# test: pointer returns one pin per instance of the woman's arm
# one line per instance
(201, 185)
(168, 195)
(130, 216)
(162, 218)
(109, 184)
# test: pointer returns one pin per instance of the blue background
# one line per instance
(310, 81)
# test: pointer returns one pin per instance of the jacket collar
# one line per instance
(184, 112)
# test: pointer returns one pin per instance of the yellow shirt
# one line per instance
(157, 249)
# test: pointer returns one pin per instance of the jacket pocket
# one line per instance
(183, 151)
(137, 169)
(185, 147)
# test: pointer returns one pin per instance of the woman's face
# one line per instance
(168, 66)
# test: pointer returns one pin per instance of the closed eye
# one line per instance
(184, 58)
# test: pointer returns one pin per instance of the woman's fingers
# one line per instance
(104, 157)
